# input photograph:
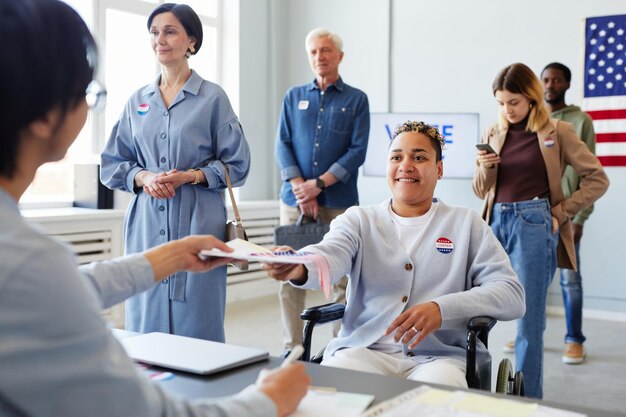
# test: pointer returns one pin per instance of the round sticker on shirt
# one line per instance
(143, 109)
(444, 245)
(549, 142)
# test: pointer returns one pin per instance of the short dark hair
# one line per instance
(187, 17)
(567, 74)
(52, 58)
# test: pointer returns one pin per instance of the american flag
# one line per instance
(605, 85)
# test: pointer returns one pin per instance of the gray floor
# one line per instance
(598, 383)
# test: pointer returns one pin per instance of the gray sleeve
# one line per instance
(116, 280)
(59, 359)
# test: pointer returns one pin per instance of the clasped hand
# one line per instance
(163, 185)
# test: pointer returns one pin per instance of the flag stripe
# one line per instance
(611, 148)
(603, 103)
(612, 161)
(609, 126)
(610, 137)
(607, 114)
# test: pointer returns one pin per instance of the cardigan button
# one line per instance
(410, 354)
(405, 299)
(408, 267)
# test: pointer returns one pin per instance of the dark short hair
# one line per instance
(567, 74)
(51, 58)
(430, 131)
(187, 17)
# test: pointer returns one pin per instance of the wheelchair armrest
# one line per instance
(482, 325)
(318, 315)
(477, 329)
(324, 313)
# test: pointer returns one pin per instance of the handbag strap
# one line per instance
(232, 196)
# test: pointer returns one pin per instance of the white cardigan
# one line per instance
(474, 278)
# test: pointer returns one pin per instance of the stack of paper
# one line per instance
(425, 401)
(330, 403)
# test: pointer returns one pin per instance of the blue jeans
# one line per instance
(525, 231)
(572, 289)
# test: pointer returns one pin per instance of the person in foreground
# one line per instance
(170, 149)
(524, 201)
(417, 270)
(57, 356)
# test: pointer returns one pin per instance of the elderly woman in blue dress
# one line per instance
(170, 148)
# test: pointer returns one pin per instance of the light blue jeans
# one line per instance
(572, 289)
(525, 230)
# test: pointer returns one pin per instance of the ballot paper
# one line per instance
(243, 249)
(249, 251)
(425, 401)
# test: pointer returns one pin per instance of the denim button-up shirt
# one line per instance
(323, 131)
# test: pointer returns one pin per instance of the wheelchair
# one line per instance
(478, 328)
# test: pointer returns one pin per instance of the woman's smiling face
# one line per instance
(412, 170)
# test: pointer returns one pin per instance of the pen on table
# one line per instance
(293, 356)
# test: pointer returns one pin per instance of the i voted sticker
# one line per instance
(549, 142)
(303, 104)
(143, 109)
(444, 245)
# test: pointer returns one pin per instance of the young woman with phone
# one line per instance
(524, 202)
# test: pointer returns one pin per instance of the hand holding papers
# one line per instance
(246, 250)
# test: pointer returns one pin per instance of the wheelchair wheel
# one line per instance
(518, 384)
(505, 375)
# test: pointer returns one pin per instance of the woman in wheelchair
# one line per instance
(418, 271)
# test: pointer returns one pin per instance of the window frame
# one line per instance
(96, 134)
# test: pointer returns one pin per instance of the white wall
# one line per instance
(427, 56)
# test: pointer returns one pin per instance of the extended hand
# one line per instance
(282, 271)
(182, 255)
(416, 323)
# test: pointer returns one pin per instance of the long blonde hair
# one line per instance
(519, 79)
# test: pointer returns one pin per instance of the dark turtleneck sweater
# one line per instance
(522, 171)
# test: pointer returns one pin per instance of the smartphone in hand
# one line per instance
(485, 147)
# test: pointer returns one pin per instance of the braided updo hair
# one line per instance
(436, 138)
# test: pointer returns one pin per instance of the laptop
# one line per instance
(187, 354)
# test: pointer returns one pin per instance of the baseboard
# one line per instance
(590, 314)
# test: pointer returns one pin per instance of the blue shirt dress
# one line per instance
(198, 130)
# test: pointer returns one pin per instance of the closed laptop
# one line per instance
(188, 354)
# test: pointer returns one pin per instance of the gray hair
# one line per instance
(320, 33)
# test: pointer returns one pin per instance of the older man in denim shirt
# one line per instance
(322, 141)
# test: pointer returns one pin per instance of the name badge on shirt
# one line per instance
(303, 104)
